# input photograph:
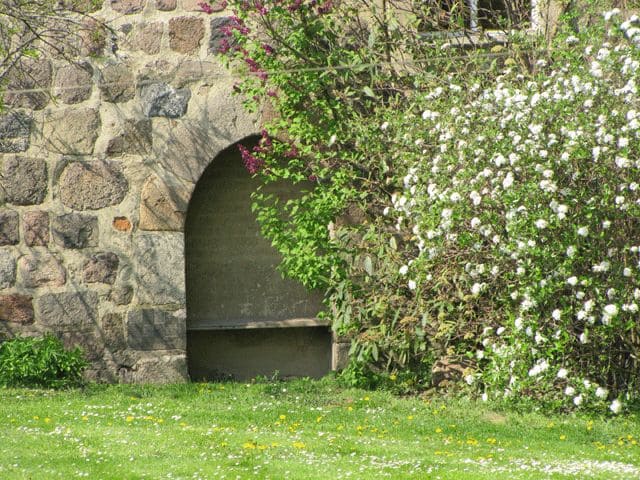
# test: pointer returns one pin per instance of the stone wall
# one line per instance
(98, 160)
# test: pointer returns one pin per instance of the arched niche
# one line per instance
(243, 318)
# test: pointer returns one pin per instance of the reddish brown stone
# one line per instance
(16, 309)
(166, 5)
(147, 38)
(122, 224)
(39, 270)
(35, 228)
(28, 84)
(194, 5)
(128, 7)
(101, 268)
(185, 34)
(93, 38)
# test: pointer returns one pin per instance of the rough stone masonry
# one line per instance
(98, 160)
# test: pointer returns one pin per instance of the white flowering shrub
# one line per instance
(520, 202)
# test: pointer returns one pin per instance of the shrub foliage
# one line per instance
(479, 204)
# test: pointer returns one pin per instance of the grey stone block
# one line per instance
(92, 185)
(72, 130)
(160, 268)
(121, 295)
(135, 139)
(162, 100)
(9, 222)
(156, 330)
(68, 311)
(7, 269)
(218, 37)
(156, 369)
(117, 83)
(24, 180)
(75, 230)
(15, 129)
(112, 329)
(79, 77)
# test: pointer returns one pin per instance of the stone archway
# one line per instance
(243, 318)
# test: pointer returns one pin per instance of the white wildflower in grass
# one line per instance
(403, 269)
(518, 324)
(556, 314)
(562, 373)
(583, 231)
(412, 284)
(573, 281)
(569, 391)
(577, 400)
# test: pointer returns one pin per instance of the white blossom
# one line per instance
(602, 392)
(616, 406)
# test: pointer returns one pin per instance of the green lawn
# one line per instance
(297, 430)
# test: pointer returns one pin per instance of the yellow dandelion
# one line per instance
(563, 437)
(248, 445)
(393, 377)
(129, 418)
(299, 445)
(85, 419)
(282, 417)
(438, 430)
(47, 420)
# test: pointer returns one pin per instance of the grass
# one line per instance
(297, 430)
